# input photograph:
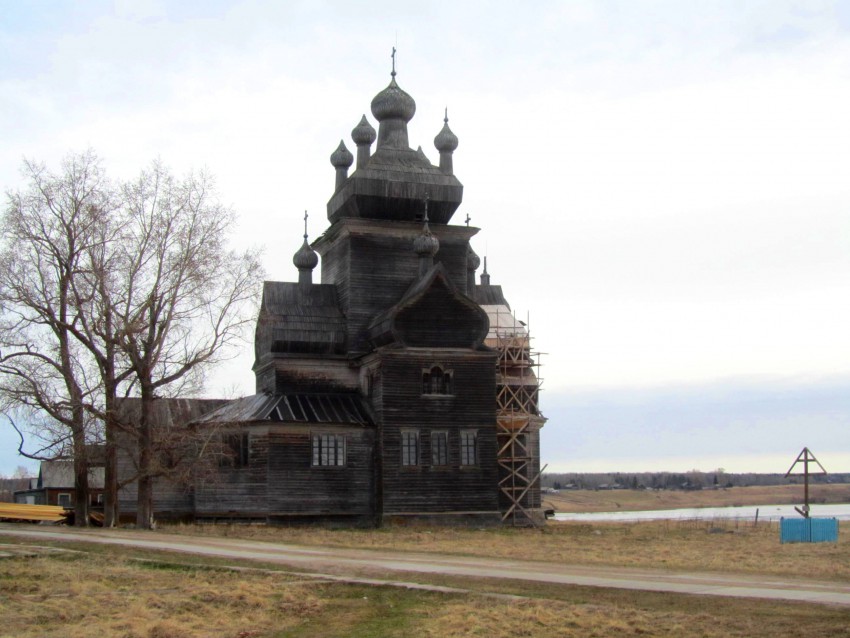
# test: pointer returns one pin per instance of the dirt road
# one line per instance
(400, 568)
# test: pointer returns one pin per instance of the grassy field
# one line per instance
(106, 592)
(128, 593)
(682, 545)
(633, 500)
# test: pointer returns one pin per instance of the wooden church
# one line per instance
(392, 386)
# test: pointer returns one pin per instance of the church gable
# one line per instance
(432, 314)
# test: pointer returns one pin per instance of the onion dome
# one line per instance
(363, 133)
(473, 261)
(393, 104)
(341, 158)
(446, 141)
(426, 245)
(306, 258)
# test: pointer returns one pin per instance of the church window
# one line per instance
(328, 450)
(410, 447)
(439, 448)
(437, 381)
(234, 450)
(468, 447)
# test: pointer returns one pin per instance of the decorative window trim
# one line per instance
(440, 448)
(59, 499)
(468, 448)
(437, 381)
(328, 450)
(410, 448)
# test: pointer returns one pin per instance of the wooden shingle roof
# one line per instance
(296, 318)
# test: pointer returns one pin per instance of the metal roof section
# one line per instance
(503, 323)
(329, 408)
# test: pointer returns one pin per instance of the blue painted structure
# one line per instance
(808, 530)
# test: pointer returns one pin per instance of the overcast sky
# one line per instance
(661, 187)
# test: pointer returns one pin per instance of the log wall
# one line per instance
(401, 404)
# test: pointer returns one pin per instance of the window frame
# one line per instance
(68, 496)
(323, 455)
(437, 381)
(468, 441)
(436, 449)
(410, 445)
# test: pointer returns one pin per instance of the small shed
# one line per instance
(55, 486)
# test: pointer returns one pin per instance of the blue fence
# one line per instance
(808, 530)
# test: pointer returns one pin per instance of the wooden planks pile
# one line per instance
(21, 512)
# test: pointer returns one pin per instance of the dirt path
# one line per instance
(379, 564)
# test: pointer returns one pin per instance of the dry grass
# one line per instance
(557, 619)
(634, 500)
(86, 595)
(681, 545)
(78, 596)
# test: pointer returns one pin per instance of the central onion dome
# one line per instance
(393, 104)
(391, 181)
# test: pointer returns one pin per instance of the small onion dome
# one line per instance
(393, 103)
(473, 261)
(426, 245)
(306, 258)
(341, 158)
(363, 133)
(446, 141)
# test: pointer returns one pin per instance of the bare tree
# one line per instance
(97, 292)
(110, 292)
(46, 377)
(188, 298)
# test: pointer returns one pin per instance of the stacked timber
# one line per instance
(41, 513)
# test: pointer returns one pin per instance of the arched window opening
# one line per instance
(437, 381)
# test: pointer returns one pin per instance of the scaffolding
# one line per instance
(518, 419)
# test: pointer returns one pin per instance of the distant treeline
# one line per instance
(693, 480)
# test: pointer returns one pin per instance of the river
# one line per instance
(840, 511)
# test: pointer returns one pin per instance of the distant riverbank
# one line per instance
(638, 500)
